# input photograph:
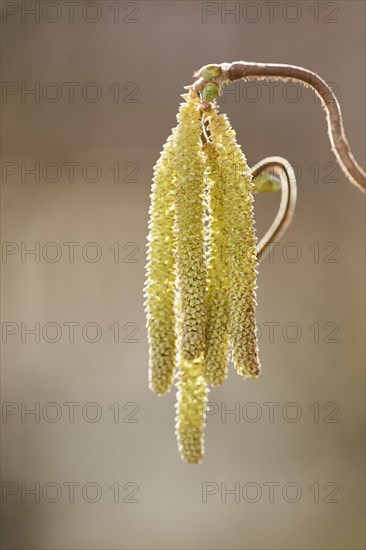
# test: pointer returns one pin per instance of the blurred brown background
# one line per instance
(139, 55)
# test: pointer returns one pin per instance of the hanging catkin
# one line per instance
(190, 410)
(241, 246)
(201, 271)
(190, 228)
(161, 273)
(217, 329)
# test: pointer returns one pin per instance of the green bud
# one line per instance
(267, 183)
(211, 71)
(210, 92)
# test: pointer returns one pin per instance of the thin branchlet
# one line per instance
(283, 170)
(243, 70)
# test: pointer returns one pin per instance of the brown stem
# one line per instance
(273, 71)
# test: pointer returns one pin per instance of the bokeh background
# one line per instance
(139, 55)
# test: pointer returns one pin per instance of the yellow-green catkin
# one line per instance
(217, 329)
(190, 418)
(241, 246)
(161, 274)
(190, 227)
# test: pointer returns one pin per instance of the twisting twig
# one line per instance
(229, 72)
(282, 168)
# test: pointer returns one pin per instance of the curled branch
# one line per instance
(229, 72)
(283, 169)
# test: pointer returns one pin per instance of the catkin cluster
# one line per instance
(200, 291)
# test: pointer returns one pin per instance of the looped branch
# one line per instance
(282, 168)
(229, 72)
